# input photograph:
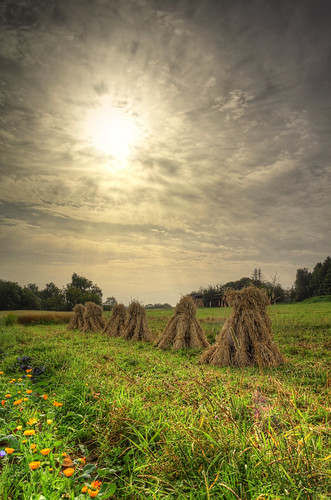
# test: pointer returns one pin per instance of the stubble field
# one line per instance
(134, 422)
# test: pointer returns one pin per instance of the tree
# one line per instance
(52, 298)
(301, 285)
(10, 295)
(30, 300)
(82, 290)
(109, 303)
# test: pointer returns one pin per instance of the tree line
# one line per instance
(51, 298)
(307, 284)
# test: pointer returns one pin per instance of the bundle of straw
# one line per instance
(93, 318)
(116, 322)
(136, 326)
(77, 319)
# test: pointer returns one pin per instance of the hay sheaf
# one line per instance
(246, 337)
(94, 320)
(183, 329)
(77, 320)
(136, 326)
(115, 324)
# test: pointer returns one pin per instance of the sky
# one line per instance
(159, 146)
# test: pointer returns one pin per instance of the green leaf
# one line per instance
(57, 444)
(105, 471)
(110, 491)
(89, 468)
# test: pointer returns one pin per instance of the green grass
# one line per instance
(157, 425)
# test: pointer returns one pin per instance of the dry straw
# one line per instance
(77, 319)
(246, 337)
(93, 318)
(136, 326)
(183, 329)
(115, 324)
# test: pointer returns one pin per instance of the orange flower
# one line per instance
(96, 484)
(84, 489)
(45, 451)
(30, 376)
(1, 373)
(34, 465)
(51, 469)
(44, 396)
(82, 460)
(25, 399)
(18, 402)
(32, 421)
(33, 446)
(29, 432)
(49, 421)
(93, 494)
(7, 395)
(68, 472)
(9, 450)
(57, 404)
(3, 402)
(19, 380)
(28, 371)
(28, 391)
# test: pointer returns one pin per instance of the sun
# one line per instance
(111, 130)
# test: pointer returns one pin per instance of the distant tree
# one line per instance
(109, 303)
(82, 290)
(10, 295)
(302, 284)
(30, 300)
(52, 298)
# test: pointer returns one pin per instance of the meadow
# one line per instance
(100, 417)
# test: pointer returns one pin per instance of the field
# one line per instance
(133, 422)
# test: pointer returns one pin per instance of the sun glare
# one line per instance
(111, 130)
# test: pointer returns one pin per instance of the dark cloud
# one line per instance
(230, 166)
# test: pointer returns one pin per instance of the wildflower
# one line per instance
(32, 421)
(30, 376)
(84, 489)
(18, 402)
(24, 441)
(49, 421)
(45, 451)
(19, 428)
(3, 402)
(51, 469)
(33, 446)
(2, 453)
(28, 370)
(96, 484)
(44, 396)
(34, 465)
(82, 460)
(64, 454)
(29, 432)
(57, 404)
(28, 391)
(68, 472)
(1, 373)
(19, 392)
(92, 493)
(19, 380)
(25, 399)
(7, 395)
(9, 450)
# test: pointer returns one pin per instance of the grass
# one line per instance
(155, 424)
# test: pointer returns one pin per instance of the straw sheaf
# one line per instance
(115, 324)
(94, 320)
(183, 329)
(77, 320)
(136, 326)
(246, 337)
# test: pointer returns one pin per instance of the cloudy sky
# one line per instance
(156, 146)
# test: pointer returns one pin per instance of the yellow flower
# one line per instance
(51, 469)
(29, 432)
(68, 472)
(1, 373)
(28, 391)
(18, 402)
(84, 489)
(19, 392)
(45, 451)
(34, 465)
(57, 404)
(32, 421)
(19, 380)
(49, 421)
(25, 399)
(24, 441)
(7, 395)
(33, 446)
(19, 428)
(30, 376)
(9, 450)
